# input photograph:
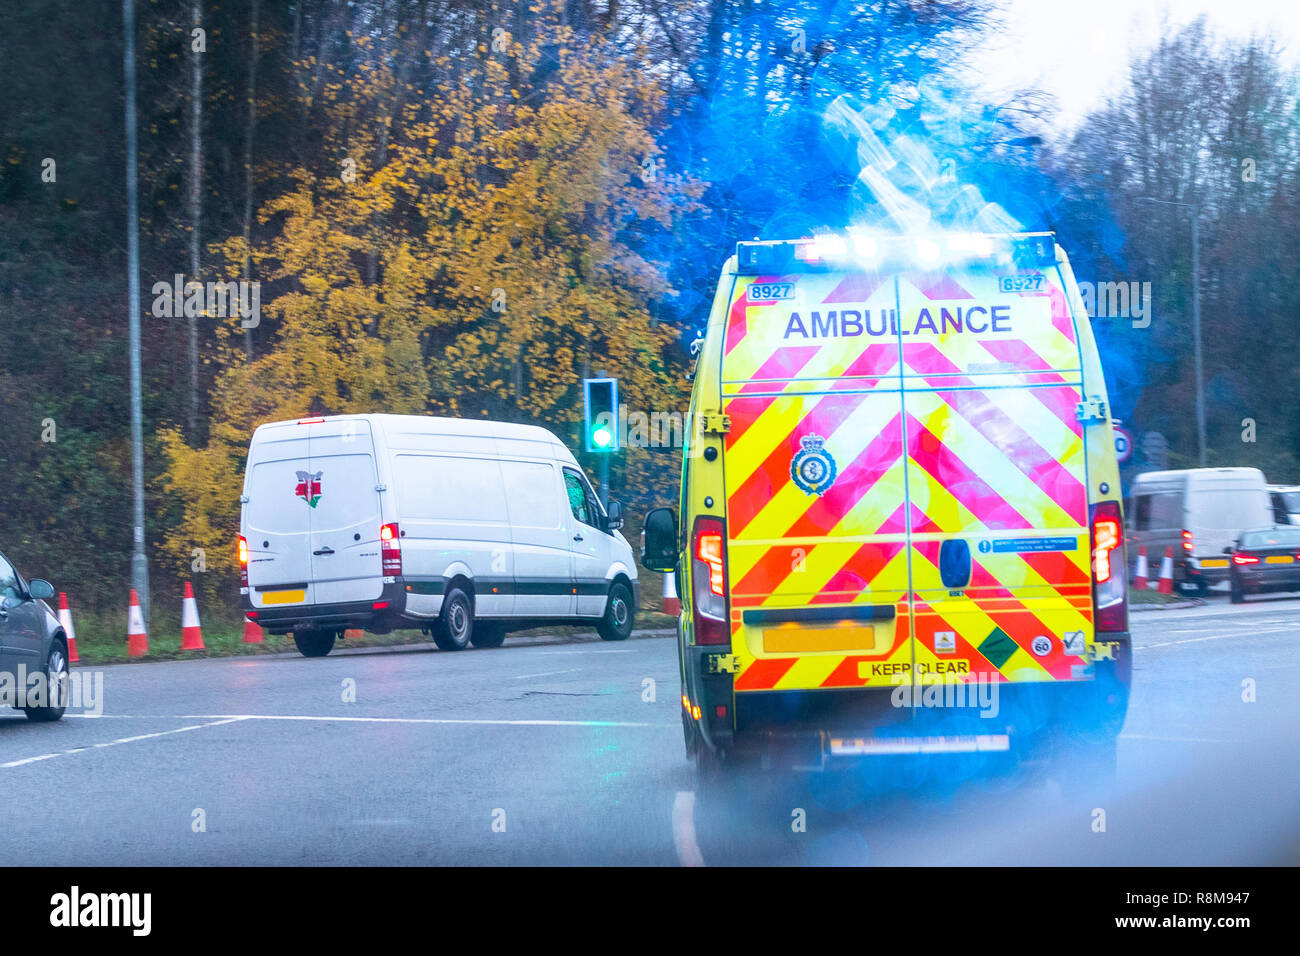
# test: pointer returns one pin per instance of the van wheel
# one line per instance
(488, 635)
(314, 643)
(455, 627)
(616, 625)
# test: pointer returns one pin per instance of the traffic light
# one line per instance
(600, 418)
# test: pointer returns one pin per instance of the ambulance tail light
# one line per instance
(1109, 579)
(390, 549)
(709, 577)
(1188, 543)
(243, 561)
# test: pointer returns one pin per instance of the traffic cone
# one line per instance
(672, 603)
(191, 635)
(353, 633)
(252, 632)
(65, 622)
(137, 641)
(1140, 579)
(1166, 585)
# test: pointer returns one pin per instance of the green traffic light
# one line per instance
(600, 437)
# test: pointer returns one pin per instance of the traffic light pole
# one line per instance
(604, 482)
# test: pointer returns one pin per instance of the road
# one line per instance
(571, 753)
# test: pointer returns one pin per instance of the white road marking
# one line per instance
(121, 740)
(1178, 740)
(225, 718)
(609, 650)
(688, 851)
(1219, 637)
(571, 670)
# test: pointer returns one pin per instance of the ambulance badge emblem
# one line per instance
(812, 468)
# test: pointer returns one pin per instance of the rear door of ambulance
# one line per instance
(996, 474)
(906, 495)
(816, 483)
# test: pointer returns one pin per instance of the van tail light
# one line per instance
(243, 561)
(1187, 541)
(1109, 575)
(709, 580)
(390, 549)
(1244, 559)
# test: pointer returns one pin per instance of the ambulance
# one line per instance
(900, 527)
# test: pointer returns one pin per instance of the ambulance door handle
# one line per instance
(578, 536)
(325, 550)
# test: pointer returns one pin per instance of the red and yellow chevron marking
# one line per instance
(936, 437)
(758, 358)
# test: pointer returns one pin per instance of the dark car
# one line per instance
(1265, 559)
(31, 642)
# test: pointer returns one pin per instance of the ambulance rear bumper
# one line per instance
(806, 728)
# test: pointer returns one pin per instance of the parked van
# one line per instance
(1197, 512)
(463, 528)
(901, 472)
(1286, 503)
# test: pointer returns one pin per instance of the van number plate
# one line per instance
(283, 597)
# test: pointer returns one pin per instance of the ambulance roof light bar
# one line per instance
(834, 252)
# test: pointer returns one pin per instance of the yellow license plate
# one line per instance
(283, 597)
(1279, 559)
(800, 638)
(1215, 563)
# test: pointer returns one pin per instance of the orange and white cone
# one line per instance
(1140, 579)
(252, 632)
(137, 641)
(1166, 584)
(191, 634)
(672, 603)
(65, 622)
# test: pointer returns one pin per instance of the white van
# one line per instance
(465, 529)
(1197, 512)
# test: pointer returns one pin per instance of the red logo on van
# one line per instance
(309, 487)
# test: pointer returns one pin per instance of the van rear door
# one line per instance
(815, 478)
(276, 526)
(996, 475)
(344, 513)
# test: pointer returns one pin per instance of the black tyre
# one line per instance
(616, 625)
(56, 686)
(488, 634)
(314, 643)
(1235, 594)
(455, 628)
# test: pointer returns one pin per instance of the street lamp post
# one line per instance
(1197, 359)
(139, 563)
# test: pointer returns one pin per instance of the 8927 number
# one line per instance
(769, 291)
(1021, 283)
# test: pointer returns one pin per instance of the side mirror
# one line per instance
(40, 589)
(659, 540)
(1229, 549)
(615, 515)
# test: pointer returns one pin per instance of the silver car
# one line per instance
(33, 647)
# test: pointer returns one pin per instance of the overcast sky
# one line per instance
(1079, 50)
